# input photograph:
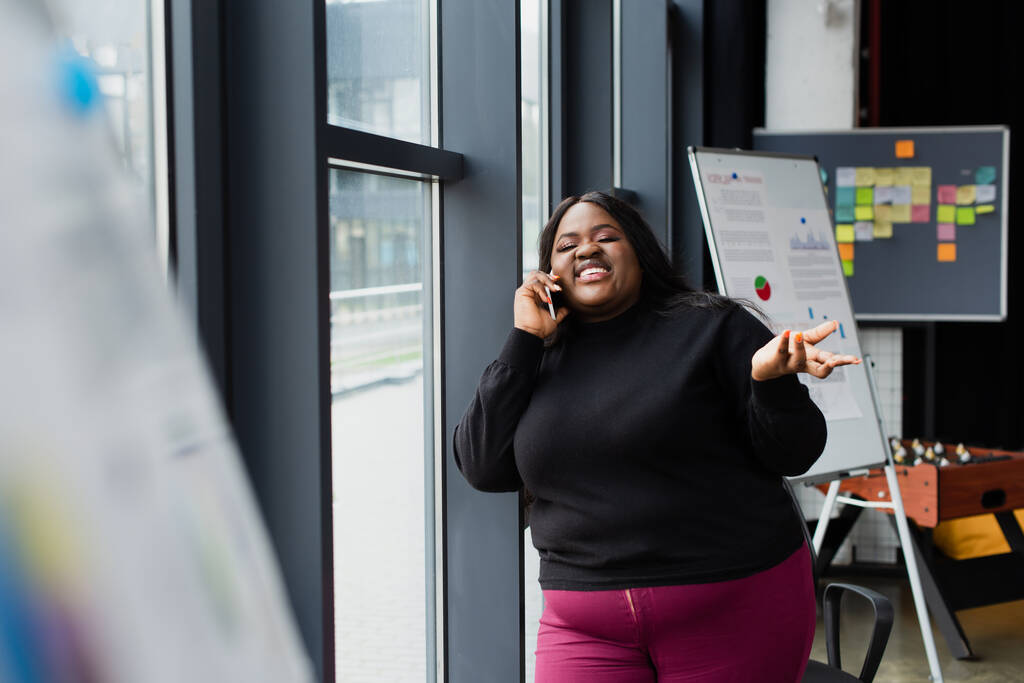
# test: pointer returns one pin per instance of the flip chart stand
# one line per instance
(903, 529)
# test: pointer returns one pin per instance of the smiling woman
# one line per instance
(652, 424)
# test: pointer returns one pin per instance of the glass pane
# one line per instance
(533, 56)
(378, 64)
(379, 252)
(533, 114)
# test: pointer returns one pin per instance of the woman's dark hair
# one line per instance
(661, 289)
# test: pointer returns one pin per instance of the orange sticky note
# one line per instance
(846, 252)
(947, 252)
(904, 149)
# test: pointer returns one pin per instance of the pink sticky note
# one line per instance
(920, 213)
(947, 194)
(947, 232)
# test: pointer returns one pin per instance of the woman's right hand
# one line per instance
(531, 305)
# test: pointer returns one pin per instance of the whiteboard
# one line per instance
(772, 242)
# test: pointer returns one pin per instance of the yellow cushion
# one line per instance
(975, 536)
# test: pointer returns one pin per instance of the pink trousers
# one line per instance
(756, 629)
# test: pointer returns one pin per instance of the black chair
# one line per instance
(819, 672)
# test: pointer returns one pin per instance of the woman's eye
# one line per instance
(607, 238)
(566, 247)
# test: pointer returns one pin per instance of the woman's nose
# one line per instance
(587, 249)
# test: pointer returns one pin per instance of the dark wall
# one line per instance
(948, 62)
(718, 69)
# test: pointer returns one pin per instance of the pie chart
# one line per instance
(763, 289)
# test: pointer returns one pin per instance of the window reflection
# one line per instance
(377, 67)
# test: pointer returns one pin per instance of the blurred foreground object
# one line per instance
(131, 548)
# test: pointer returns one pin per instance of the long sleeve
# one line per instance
(786, 428)
(483, 438)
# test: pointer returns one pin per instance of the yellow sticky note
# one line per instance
(921, 175)
(846, 252)
(921, 194)
(904, 149)
(865, 176)
(900, 213)
(848, 268)
(984, 208)
(883, 230)
(965, 215)
(864, 213)
(965, 194)
(865, 195)
(947, 252)
(946, 213)
(844, 233)
(883, 213)
(883, 177)
(901, 175)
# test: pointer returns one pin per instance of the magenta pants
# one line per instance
(758, 628)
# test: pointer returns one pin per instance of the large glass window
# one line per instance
(378, 67)
(533, 103)
(380, 250)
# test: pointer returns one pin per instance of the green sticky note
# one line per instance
(984, 208)
(844, 196)
(848, 268)
(864, 213)
(865, 195)
(844, 214)
(945, 214)
(965, 215)
(844, 233)
(985, 175)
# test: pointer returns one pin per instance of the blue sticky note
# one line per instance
(844, 214)
(845, 196)
(984, 175)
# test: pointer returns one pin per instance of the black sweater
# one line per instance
(654, 457)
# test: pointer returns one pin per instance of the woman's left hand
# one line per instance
(794, 352)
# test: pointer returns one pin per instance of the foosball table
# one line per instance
(989, 482)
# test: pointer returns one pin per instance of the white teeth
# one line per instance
(591, 271)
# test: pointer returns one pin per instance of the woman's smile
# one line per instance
(596, 262)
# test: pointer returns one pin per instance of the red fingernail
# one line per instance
(799, 337)
(556, 277)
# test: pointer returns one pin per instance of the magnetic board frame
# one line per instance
(854, 445)
(828, 147)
